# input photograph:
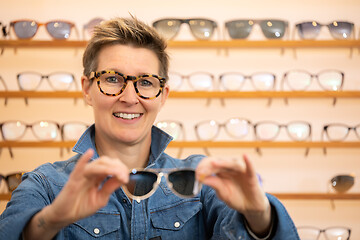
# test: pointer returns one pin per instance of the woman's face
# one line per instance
(125, 118)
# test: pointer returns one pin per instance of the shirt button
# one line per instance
(176, 224)
(96, 230)
(124, 200)
(138, 200)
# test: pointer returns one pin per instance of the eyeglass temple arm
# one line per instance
(282, 88)
(6, 89)
(322, 139)
(293, 38)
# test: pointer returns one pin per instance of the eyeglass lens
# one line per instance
(338, 30)
(15, 130)
(299, 80)
(72, 131)
(235, 127)
(198, 81)
(339, 132)
(113, 83)
(25, 29)
(336, 233)
(260, 81)
(12, 180)
(174, 129)
(266, 131)
(200, 28)
(143, 183)
(342, 183)
(30, 81)
(241, 29)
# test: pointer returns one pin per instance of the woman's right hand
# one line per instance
(83, 195)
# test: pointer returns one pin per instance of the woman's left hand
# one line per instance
(236, 183)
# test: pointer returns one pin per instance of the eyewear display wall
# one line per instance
(313, 233)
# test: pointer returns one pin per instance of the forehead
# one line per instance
(128, 60)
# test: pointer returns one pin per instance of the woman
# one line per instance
(92, 194)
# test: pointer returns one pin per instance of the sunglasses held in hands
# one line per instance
(144, 182)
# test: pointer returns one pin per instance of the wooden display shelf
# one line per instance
(196, 144)
(196, 44)
(282, 196)
(197, 94)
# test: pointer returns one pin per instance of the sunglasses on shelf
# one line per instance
(12, 180)
(342, 183)
(201, 28)
(271, 28)
(338, 29)
(313, 233)
(57, 29)
(144, 182)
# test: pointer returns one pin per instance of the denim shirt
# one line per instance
(162, 216)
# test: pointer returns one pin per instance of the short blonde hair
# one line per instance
(125, 31)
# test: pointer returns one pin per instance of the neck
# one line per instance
(132, 155)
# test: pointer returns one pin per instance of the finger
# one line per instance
(249, 166)
(105, 168)
(213, 166)
(110, 186)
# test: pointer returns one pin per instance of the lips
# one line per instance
(127, 116)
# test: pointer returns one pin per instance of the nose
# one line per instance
(129, 94)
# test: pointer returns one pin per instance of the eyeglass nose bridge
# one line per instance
(132, 79)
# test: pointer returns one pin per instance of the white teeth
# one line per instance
(127, 116)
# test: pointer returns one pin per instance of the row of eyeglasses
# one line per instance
(239, 128)
(295, 80)
(201, 28)
(236, 128)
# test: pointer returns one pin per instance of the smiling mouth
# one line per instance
(127, 116)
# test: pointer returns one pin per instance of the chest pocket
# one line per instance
(100, 225)
(176, 216)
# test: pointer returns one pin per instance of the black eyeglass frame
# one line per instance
(325, 131)
(97, 74)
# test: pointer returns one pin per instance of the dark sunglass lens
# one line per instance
(58, 29)
(184, 182)
(273, 29)
(341, 30)
(168, 28)
(13, 181)
(239, 29)
(25, 29)
(201, 28)
(141, 183)
(342, 183)
(308, 30)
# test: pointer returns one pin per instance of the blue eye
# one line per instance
(112, 79)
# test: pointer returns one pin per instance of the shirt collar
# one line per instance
(159, 142)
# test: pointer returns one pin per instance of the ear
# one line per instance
(165, 94)
(85, 85)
